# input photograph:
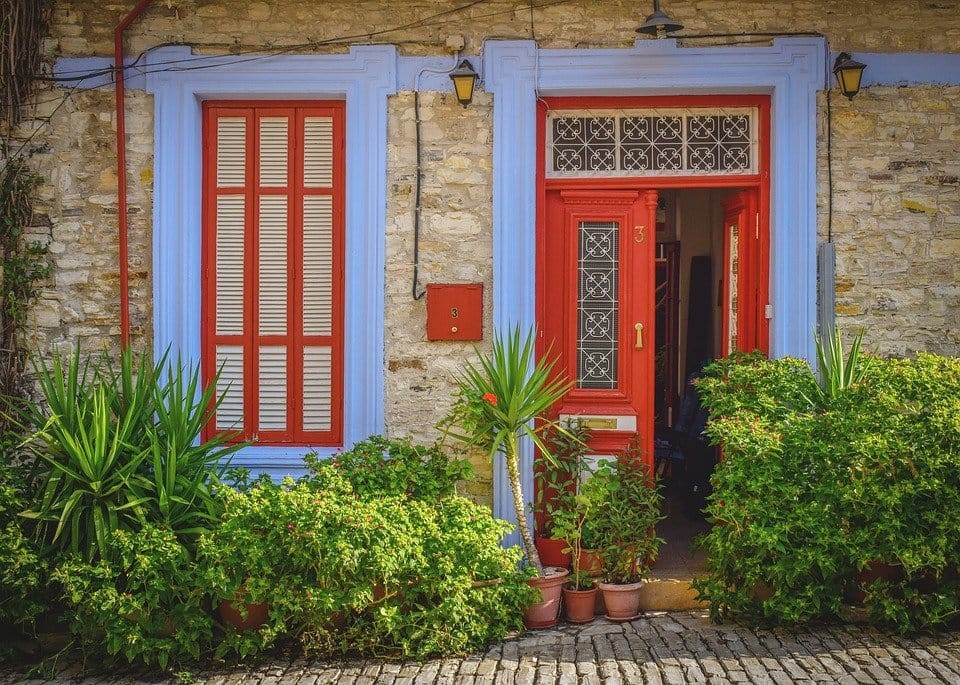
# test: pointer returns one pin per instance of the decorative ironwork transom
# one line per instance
(651, 142)
(598, 271)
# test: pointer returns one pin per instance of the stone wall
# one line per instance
(456, 246)
(896, 220)
(896, 216)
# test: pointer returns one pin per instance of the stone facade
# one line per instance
(896, 161)
(896, 217)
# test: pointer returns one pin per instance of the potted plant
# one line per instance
(626, 520)
(504, 396)
(555, 481)
(580, 592)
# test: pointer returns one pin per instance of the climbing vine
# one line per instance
(23, 266)
(23, 24)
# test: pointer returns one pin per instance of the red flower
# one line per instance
(490, 397)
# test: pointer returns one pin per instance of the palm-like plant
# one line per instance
(500, 399)
(837, 372)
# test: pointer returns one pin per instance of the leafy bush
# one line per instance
(142, 601)
(378, 467)
(22, 571)
(810, 496)
(119, 444)
(377, 575)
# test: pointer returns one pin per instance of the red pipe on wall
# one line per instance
(122, 170)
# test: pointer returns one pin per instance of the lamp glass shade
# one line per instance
(464, 80)
(849, 73)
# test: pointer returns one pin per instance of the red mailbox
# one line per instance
(454, 311)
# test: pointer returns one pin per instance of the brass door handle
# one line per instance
(639, 329)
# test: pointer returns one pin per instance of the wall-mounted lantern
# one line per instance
(848, 72)
(659, 24)
(464, 80)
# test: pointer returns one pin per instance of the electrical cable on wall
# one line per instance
(418, 185)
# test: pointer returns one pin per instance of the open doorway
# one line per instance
(699, 252)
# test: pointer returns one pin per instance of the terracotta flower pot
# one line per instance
(579, 604)
(623, 601)
(544, 614)
(590, 562)
(231, 615)
(551, 552)
(855, 590)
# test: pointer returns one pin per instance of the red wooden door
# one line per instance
(598, 318)
(745, 260)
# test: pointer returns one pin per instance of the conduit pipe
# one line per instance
(122, 170)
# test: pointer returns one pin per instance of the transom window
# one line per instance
(647, 142)
(272, 314)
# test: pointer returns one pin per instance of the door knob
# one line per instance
(639, 329)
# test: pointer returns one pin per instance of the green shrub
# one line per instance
(397, 574)
(809, 495)
(22, 571)
(144, 603)
(380, 467)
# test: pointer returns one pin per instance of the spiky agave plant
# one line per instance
(837, 372)
(505, 396)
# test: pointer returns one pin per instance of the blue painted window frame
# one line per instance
(364, 78)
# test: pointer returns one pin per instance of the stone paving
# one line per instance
(661, 649)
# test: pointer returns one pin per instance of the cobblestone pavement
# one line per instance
(667, 649)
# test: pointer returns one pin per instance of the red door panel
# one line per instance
(745, 256)
(598, 315)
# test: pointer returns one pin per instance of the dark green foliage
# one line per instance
(378, 467)
(397, 574)
(145, 603)
(22, 571)
(807, 497)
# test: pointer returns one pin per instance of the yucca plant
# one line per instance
(120, 447)
(91, 467)
(506, 395)
(836, 371)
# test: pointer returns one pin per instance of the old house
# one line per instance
(298, 173)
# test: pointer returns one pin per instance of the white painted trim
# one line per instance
(792, 70)
(364, 78)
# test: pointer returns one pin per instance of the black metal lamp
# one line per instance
(848, 72)
(464, 80)
(659, 24)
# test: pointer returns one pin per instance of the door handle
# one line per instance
(639, 329)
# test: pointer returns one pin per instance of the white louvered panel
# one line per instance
(230, 387)
(231, 152)
(317, 388)
(273, 264)
(317, 265)
(229, 263)
(318, 152)
(273, 388)
(273, 152)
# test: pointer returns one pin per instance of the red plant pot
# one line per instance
(579, 604)
(551, 552)
(623, 601)
(231, 615)
(855, 590)
(544, 614)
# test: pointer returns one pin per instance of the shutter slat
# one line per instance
(273, 265)
(273, 152)
(317, 265)
(317, 388)
(229, 264)
(230, 387)
(318, 152)
(273, 388)
(231, 152)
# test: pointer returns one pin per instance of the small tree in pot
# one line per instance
(556, 483)
(626, 522)
(502, 398)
